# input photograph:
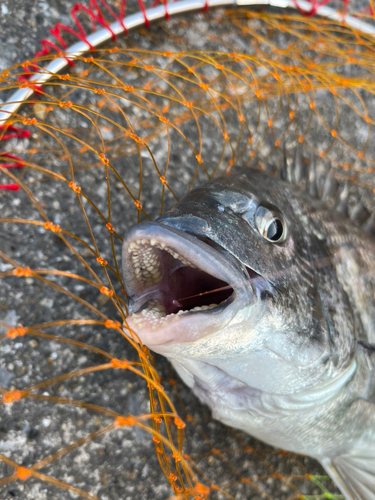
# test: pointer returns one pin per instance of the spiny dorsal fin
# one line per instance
(311, 180)
(369, 225)
(286, 171)
(299, 165)
(359, 214)
(342, 199)
(330, 187)
(325, 187)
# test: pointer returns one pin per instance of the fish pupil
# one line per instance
(274, 230)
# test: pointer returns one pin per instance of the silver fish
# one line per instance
(283, 346)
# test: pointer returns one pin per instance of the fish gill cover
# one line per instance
(116, 140)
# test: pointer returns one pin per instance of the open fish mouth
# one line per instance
(179, 286)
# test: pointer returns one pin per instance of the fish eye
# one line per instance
(270, 224)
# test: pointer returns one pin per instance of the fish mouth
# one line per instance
(180, 287)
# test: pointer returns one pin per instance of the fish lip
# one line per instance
(199, 254)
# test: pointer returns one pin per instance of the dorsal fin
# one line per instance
(359, 214)
(326, 187)
(286, 171)
(299, 165)
(284, 165)
(369, 225)
(342, 199)
(311, 180)
(330, 187)
(320, 183)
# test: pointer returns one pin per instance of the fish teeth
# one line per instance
(154, 315)
(146, 262)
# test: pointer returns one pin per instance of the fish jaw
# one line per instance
(162, 265)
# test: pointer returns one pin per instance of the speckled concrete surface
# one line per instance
(121, 464)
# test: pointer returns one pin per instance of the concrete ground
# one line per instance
(122, 464)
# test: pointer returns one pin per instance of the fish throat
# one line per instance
(167, 284)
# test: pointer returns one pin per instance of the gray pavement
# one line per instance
(122, 464)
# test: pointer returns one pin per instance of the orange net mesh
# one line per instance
(118, 140)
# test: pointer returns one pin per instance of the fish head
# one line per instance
(234, 275)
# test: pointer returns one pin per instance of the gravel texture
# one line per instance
(121, 464)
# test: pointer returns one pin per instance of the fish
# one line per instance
(260, 290)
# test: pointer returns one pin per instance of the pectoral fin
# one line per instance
(354, 473)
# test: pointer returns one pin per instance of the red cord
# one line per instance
(10, 187)
(315, 6)
(19, 160)
(15, 132)
(165, 2)
(143, 9)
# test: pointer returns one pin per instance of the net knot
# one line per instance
(55, 228)
(103, 158)
(106, 291)
(17, 331)
(180, 424)
(75, 187)
(120, 363)
(102, 261)
(29, 121)
(12, 396)
(202, 490)
(23, 473)
(135, 138)
(122, 421)
(22, 271)
(112, 324)
(65, 104)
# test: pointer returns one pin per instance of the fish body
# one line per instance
(283, 345)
